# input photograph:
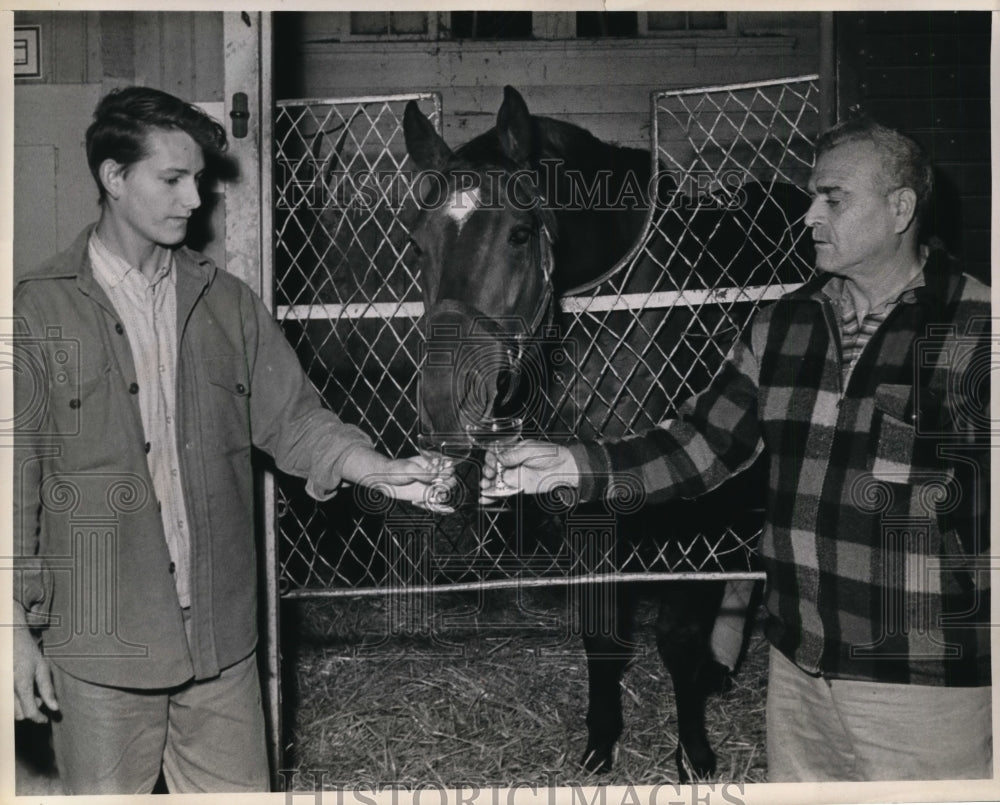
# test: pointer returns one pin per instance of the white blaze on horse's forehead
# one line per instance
(462, 204)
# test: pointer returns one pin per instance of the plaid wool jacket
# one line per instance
(876, 537)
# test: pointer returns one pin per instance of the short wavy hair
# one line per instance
(124, 117)
(904, 162)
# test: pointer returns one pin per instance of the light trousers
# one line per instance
(206, 736)
(845, 730)
(730, 623)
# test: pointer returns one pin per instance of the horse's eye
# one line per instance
(520, 235)
(415, 248)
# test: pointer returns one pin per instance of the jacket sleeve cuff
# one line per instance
(32, 591)
(327, 475)
(594, 466)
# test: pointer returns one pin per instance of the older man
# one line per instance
(866, 390)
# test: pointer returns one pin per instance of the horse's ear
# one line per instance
(514, 127)
(425, 146)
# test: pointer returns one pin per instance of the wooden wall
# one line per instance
(928, 74)
(603, 85)
(180, 52)
(83, 55)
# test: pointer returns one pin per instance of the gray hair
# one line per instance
(904, 162)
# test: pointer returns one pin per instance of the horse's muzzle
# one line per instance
(466, 370)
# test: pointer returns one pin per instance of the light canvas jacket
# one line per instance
(91, 561)
(876, 533)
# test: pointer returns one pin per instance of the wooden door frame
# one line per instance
(247, 42)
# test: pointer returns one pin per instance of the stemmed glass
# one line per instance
(438, 450)
(435, 449)
(492, 433)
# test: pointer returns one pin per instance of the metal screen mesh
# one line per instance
(730, 163)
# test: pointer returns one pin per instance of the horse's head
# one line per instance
(483, 240)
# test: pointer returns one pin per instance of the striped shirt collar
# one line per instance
(838, 291)
(114, 269)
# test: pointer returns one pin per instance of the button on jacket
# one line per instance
(148, 309)
(91, 558)
(877, 516)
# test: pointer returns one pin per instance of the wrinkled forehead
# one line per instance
(855, 165)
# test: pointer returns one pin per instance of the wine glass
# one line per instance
(492, 433)
(438, 450)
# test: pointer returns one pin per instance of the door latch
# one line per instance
(240, 114)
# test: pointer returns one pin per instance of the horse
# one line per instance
(500, 237)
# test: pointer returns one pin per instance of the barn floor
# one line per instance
(497, 700)
(496, 696)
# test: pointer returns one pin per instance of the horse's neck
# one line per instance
(588, 249)
(594, 236)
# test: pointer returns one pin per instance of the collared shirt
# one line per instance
(148, 311)
(855, 334)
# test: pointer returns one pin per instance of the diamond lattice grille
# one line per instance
(724, 240)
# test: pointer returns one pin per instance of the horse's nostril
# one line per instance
(506, 387)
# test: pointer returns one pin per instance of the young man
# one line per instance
(146, 376)
(867, 391)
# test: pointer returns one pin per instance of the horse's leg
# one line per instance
(683, 630)
(606, 621)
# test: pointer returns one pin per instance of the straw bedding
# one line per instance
(493, 694)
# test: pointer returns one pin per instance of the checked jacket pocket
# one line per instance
(903, 452)
(894, 434)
